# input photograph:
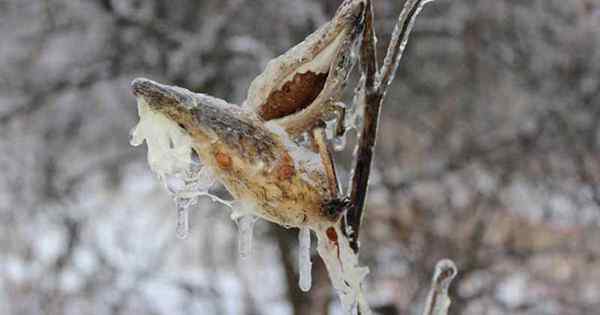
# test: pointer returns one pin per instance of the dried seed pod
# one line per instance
(298, 88)
(256, 162)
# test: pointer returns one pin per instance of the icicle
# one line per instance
(183, 225)
(438, 300)
(305, 266)
(245, 231)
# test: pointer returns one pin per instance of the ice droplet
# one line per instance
(304, 264)
(245, 234)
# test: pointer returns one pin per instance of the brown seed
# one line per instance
(294, 95)
(223, 160)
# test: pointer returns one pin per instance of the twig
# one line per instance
(366, 142)
(375, 88)
(400, 35)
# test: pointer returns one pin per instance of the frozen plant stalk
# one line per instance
(437, 299)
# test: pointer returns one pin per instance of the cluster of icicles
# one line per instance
(172, 158)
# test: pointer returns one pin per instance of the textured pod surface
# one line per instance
(256, 162)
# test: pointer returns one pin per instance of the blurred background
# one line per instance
(489, 154)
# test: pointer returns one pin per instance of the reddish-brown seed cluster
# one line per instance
(294, 96)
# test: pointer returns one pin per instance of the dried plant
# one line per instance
(273, 153)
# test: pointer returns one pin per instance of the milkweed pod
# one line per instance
(267, 173)
(296, 88)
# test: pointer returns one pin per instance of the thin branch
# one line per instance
(368, 54)
(372, 101)
(374, 93)
(400, 35)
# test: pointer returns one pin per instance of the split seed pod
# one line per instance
(299, 88)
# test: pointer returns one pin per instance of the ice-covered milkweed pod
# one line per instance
(268, 175)
(299, 87)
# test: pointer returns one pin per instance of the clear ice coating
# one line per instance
(344, 271)
(169, 146)
(356, 114)
(245, 234)
(173, 159)
(438, 300)
(304, 264)
(401, 33)
(339, 143)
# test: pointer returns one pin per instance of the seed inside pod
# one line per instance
(294, 96)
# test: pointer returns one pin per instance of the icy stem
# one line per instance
(245, 231)
(345, 273)
(305, 265)
(356, 113)
(399, 38)
(438, 300)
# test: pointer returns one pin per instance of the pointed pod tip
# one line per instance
(138, 85)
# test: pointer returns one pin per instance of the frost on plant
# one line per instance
(169, 147)
(172, 158)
